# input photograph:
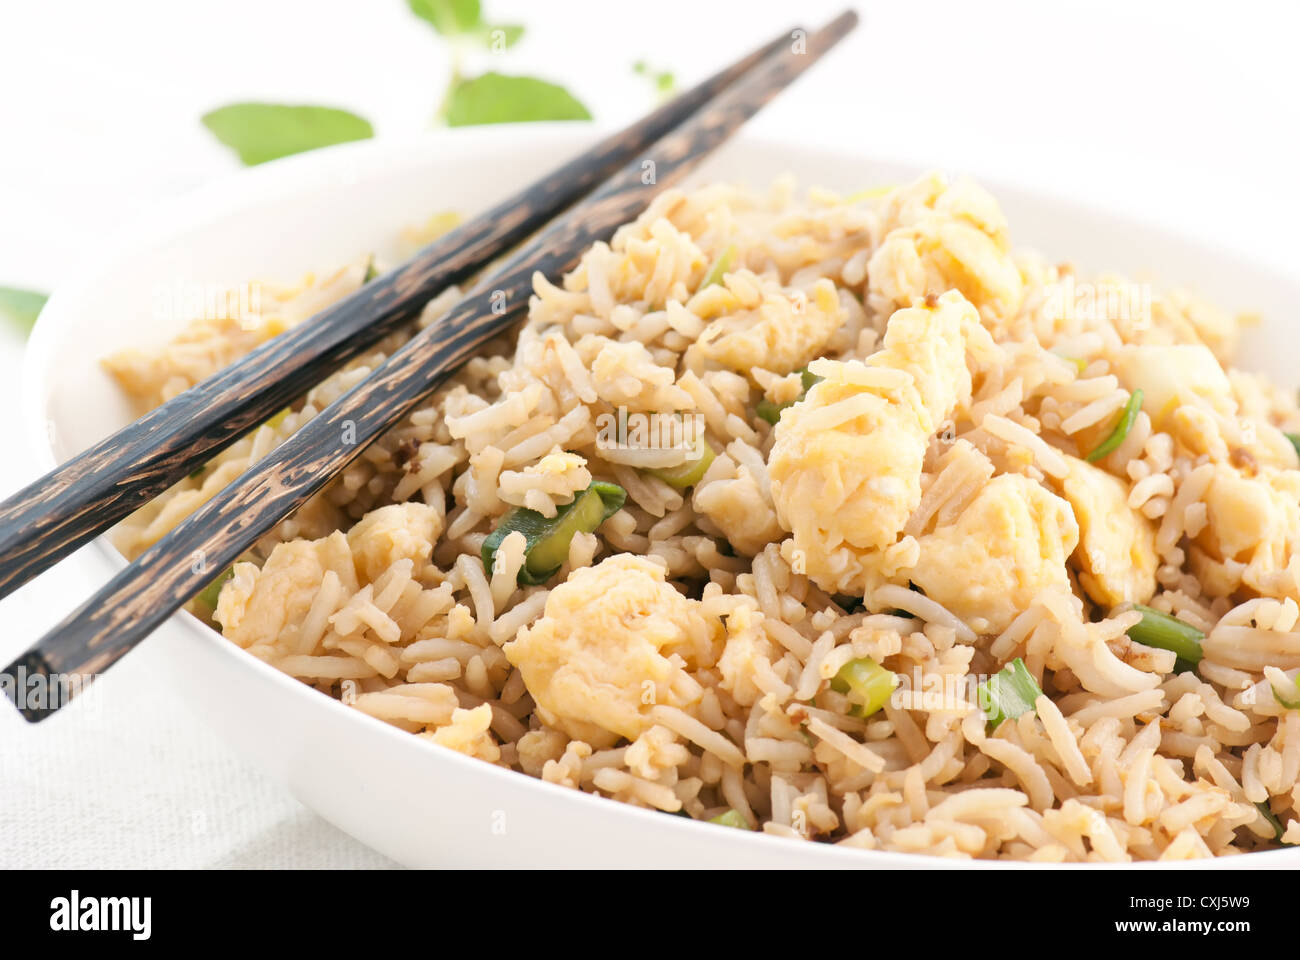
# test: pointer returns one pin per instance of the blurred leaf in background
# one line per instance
(456, 19)
(664, 82)
(491, 97)
(259, 132)
(497, 98)
(19, 308)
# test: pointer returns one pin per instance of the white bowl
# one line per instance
(416, 802)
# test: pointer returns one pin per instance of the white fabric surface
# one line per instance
(1182, 111)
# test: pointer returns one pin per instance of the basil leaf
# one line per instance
(497, 98)
(449, 17)
(265, 131)
(20, 307)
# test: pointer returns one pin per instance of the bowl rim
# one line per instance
(241, 191)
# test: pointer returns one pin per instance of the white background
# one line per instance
(1184, 113)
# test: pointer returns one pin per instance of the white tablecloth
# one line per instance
(1183, 112)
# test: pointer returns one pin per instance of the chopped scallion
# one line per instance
(1273, 821)
(731, 818)
(689, 471)
(1157, 629)
(546, 539)
(1295, 441)
(212, 592)
(720, 267)
(1289, 698)
(1007, 694)
(771, 412)
(1126, 421)
(866, 683)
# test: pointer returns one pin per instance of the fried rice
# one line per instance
(936, 460)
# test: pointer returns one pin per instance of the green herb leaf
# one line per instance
(497, 98)
(265, 131)
(21, 307)
(664, 81)
(502, 36)
(449, 17)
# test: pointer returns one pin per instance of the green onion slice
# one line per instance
(371, 270)
(689, 471)
(866, 683)
(1007, 694)
(771, 412)
(546, 539)
(1157, 629)
(731, 818)
(1273, 821)
(720, 267)
(1295, 441)
(1289, 698)
(208, 597)
(1126, 419)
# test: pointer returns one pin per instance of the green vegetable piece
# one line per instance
(688, 472)
(1157, 629)
(1121, 430)
(720, 267)
(497, 98)
(546, 539)
(731, 818)
(21, 307)
(259, 132)
(771, 412)
(1273, 821)
(866, 683)
(1009, 693)
(208, 597)
(1295, 441)
(449, 17)
(1289, 698)
(371, 270)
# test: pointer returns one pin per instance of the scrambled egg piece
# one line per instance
(1173, 374)
(1010, 544)
(1116, 557)
(846, 463)
(602, 653)
(468, 734)
(400, 531)
(267, 605)
(943, 237)
(781, 332)
(734, 499)
(1249, 520)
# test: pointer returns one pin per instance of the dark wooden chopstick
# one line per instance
(158, 583)
(80, 499)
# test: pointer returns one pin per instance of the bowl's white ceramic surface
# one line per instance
(418, 803)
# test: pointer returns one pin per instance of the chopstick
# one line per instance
(83, 497)
(179, 565)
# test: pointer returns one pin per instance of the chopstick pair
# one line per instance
(81, 499)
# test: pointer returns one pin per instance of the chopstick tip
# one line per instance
(32, 686)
